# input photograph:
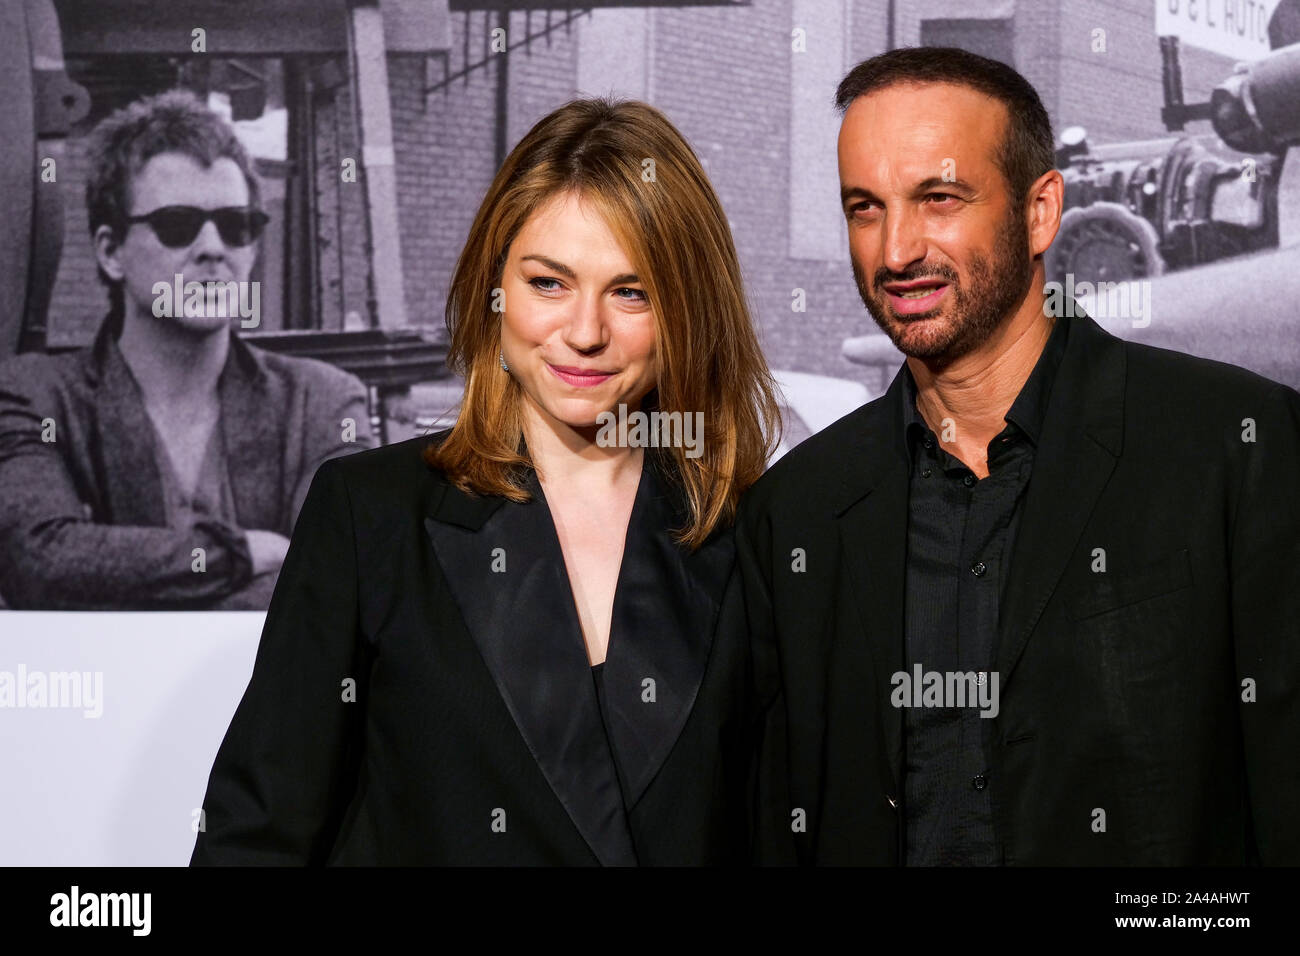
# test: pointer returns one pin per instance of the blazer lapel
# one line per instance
(255, 441)
(872, 511)
(123, 437)
(503, 564)
(665, 611)
(1083, 433)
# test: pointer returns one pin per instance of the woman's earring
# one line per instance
(504, 366)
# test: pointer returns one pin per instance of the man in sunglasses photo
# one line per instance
(163, 466)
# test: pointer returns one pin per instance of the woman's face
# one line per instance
(577, 331)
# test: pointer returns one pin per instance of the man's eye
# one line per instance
(551, 288)
(861, 208)
(940, 197)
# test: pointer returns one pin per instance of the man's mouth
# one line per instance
(919, 295)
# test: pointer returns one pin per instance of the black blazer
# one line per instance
(474, 736)
(1120, 691)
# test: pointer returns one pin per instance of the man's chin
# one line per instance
(201, 324)
(917, 336)
(927, 350)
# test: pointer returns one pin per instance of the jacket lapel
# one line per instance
(665, 612)
(1083, 432)
(872, 511)
(255, 441)
(123, 437)
(523, 618)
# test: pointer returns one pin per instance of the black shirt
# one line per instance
(959, 539)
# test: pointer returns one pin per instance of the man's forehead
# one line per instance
(175, 163)
(175, 174)
(907, 124)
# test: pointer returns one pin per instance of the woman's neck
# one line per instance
(564, 456)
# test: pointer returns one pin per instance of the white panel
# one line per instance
(118, 789)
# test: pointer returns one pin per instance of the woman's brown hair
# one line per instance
(630, 163)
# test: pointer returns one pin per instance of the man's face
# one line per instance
(940, 248)
(140, 259)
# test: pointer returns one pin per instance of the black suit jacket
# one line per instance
(475, 735)
(1123, 736)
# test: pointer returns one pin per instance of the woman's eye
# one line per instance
(555, 284)
(638, 295)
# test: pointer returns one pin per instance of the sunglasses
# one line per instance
(178, 226)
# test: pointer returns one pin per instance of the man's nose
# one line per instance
(904, 240)
(208, 244)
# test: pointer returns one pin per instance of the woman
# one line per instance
(521, 642)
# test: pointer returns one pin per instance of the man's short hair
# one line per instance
(172, 122)
(1027, 151)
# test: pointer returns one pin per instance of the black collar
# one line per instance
(1029, 409)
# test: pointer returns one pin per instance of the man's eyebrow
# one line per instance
(945, 185)
(959, 186)
(856, 192)
(625, 278)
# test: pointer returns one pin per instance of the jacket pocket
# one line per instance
(1113, 590)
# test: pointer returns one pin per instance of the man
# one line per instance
(1040, 602)
(164, 465)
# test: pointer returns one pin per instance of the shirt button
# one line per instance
(926, 473)
(892, 802)
(929, 442)
(980, 781)
(970, 480)
(978, 569)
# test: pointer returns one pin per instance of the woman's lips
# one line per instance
(578, 377)
(908, 305)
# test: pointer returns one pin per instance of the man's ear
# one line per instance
(107, 251)
(1046, 203)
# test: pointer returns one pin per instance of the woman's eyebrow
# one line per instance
(553, 265)
(562, 269)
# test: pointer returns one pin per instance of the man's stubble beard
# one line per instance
(996, 290)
